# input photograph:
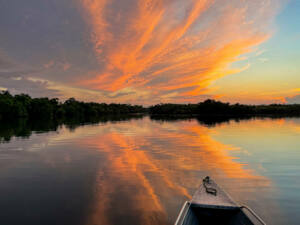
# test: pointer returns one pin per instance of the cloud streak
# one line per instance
(15, 78)
(172, 49)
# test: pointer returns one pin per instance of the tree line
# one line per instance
(217, 108)
(24, 106)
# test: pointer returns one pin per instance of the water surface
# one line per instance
(140, 171)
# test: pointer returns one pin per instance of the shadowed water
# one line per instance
(140, 171)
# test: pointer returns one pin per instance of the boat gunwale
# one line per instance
(184, 210)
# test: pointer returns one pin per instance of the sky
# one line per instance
(152, 51)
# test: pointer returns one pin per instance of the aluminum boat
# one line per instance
(211, 205)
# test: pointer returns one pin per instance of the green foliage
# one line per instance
(23, 106)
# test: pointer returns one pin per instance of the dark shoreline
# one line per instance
(23, 106)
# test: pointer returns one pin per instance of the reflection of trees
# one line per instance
(24, 127)
(211, 121)
(17, 128)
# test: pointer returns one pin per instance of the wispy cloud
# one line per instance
(172, 49)
(15, 78)
(135, 51)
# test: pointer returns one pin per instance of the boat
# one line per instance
(211, 205)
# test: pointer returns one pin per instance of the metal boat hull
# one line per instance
(211, 205)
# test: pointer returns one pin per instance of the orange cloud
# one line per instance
(176, 47)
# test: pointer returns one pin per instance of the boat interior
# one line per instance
(199, 215)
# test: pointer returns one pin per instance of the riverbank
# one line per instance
(24, 106)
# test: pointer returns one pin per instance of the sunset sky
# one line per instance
(152, 51)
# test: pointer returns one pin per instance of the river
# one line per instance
(141, 170)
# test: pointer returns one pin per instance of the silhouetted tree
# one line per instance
(23, 105)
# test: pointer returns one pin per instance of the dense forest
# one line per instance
(23, 106)
(217, 108)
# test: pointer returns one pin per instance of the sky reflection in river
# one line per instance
(141, 171)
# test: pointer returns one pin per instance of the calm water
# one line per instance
(141, 171)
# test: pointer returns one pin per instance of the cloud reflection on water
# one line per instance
(140, 171)
(154, 165)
